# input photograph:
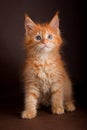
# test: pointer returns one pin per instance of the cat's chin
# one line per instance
(46, 49)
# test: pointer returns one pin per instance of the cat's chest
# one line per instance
(44, 79)
(43, 72)
(46, 72)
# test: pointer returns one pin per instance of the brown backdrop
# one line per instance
(11, 40)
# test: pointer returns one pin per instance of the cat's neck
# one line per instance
(46, 57)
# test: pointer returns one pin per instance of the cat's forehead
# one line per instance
(44, 30)
(41, 32)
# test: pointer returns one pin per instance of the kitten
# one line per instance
(45, 78)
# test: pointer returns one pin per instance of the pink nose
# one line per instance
(45, 41)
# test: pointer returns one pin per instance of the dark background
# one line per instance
(11, 41)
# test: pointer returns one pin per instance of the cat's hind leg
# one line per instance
(68, 98)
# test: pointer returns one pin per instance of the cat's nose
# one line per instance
(45, 41)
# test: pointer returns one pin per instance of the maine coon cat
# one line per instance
(45, 78)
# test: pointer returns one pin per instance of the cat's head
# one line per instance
(42, 37)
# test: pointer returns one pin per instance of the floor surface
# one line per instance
(10, 112)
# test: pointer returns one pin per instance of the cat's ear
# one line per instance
(54, 23)
(29, 24)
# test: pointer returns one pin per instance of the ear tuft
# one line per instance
(54, 23)
(26, 15)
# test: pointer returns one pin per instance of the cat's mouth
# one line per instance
(45, 46)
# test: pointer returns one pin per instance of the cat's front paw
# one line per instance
(58, 110)
(29, 114)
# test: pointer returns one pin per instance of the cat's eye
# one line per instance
(38, 37)
(50, 37)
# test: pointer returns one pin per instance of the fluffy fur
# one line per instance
(45, 78)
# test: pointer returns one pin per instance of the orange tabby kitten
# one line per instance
(46, 80)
